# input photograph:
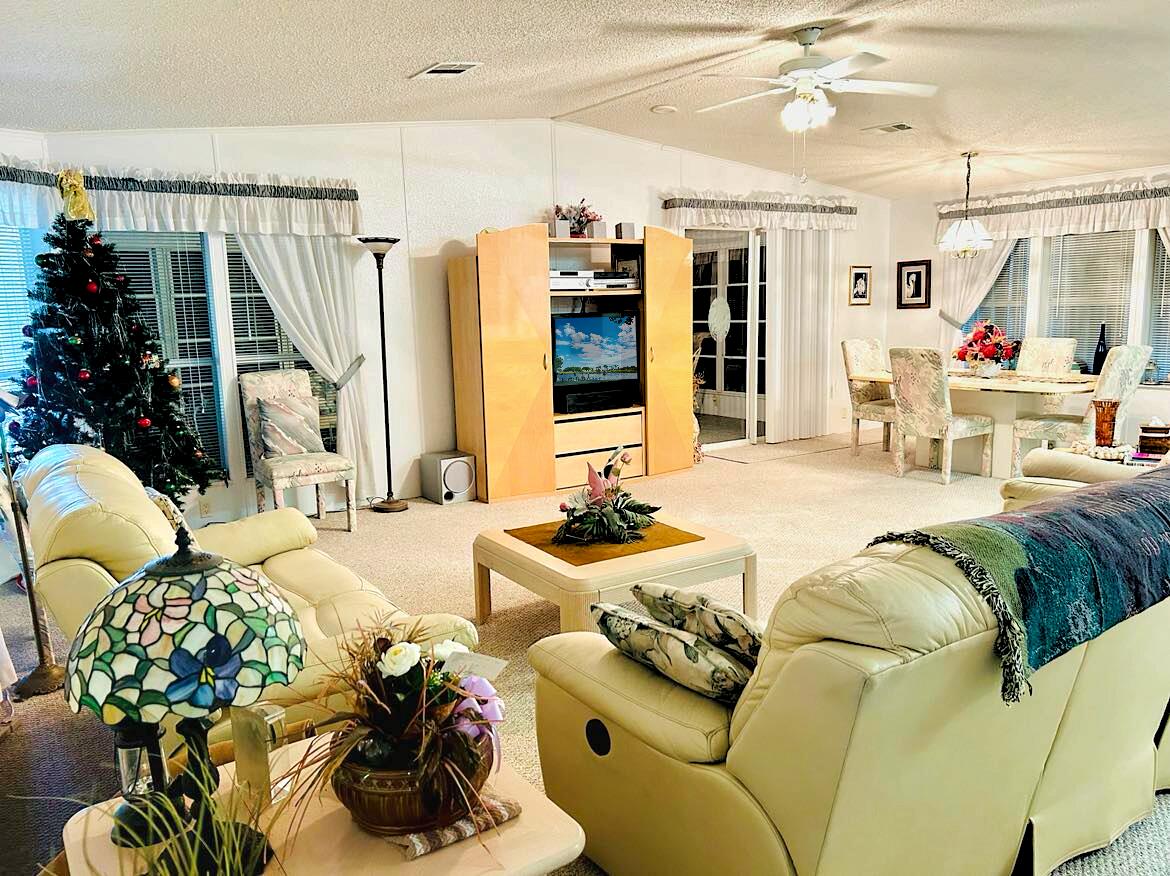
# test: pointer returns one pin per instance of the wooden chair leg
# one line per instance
(277, 497)
(320, 502)
(1017, 459)
(886, 428)
(855, 436)
(948, 447)
(985, 463)
(350, 505)
(899, 452)
(261, 498)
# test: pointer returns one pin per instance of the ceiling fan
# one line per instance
(810, 75)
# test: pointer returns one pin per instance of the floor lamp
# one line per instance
(379, 246)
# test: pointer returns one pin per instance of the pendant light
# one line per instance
(966, 237)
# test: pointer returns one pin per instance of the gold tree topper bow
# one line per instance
(71, 185)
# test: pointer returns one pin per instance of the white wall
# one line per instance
(435, 185)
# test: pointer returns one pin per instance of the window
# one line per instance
(18, 273)
(1160, 312)
(168, 278)
(1006, 304)
(262, 345)
(1087, 285)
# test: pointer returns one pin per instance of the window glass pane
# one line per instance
(1160, 313)
(737, 265)
(1088, 284)
(701, 299)
(707, 348)
(763, 266)
(763, 305)
(704, 272)
(1006, 304)
(761, 387)
(706, 370)
(18, 273)
(734, 375)
(737, 301)
(736, 343)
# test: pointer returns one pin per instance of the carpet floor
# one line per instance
(801, 508)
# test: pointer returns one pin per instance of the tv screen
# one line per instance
(594, 348)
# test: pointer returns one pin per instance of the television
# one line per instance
(595, 361)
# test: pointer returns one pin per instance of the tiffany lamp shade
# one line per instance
(186, 635)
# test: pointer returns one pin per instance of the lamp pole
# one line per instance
(379, 246)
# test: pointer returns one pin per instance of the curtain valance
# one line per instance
(687, 209)
(1115, 205)
(142, 200)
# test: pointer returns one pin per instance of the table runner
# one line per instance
(657, 536)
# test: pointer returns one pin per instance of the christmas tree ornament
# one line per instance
(96, 240)
(198, 453)
(174, 380)
(14, 428)
(84, 375)
(121, 278)
(71, 185)
(143, 422)
(75, 341)
(31, 381)
(91, 287)
(27, 331)
(88, 253)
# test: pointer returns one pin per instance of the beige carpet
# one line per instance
(799, 511)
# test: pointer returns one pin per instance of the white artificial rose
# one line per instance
(399, 659)
(443, 650)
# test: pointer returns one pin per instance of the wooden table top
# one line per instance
(1013, 382)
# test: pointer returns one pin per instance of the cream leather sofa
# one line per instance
(1048, 473)
(92, 525)
(870, 740)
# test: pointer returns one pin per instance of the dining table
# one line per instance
(1004, 397)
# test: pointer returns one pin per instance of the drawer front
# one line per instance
(572, 472)
(578, 436)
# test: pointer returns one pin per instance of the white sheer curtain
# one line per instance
(965, 283)
(309, 283)
(1164, 233)
(800, 312)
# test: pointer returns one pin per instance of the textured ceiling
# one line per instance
(1042, 88)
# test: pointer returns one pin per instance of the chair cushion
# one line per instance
(290, 425)
(882, 410)
(682, 657)
(300, 465)
(967, 425)
(1052, 427)
(719, 624)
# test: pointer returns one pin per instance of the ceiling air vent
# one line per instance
(892, 128)
(446, 70)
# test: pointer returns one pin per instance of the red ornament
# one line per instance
(198, 454)
(1008, 351)
(91, 287)
(84, 374)
(96, 240)
(88, 253)
(31, 381)
(143, 422)
(121, 278)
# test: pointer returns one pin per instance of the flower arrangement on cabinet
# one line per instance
(578, 216)
(987, 349)
(603, 510)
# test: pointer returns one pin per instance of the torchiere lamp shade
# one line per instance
(185, 635)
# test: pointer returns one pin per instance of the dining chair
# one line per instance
(1120, 376)
(869, 399)
(922, 398)
(279, 472)
(1047, 356)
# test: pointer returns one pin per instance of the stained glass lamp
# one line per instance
(186, 635)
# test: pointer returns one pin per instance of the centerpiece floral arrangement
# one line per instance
(603, 510)
(579, 216)
(419, 742)
(987, 348)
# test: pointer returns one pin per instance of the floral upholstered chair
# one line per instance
(922, 396)
(869, 400)
(280, 471)
(1120, 376)
(1046, 355)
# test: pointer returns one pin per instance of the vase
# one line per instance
(389, 802)
(988, 369)
(1105, 420)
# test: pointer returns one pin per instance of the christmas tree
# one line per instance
(94, 373)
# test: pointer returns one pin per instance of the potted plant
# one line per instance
(419, 742)
(986, 349)
(578, 217)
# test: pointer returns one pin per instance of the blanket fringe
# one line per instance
(1010, 641)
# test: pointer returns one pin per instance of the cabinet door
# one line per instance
(516, 340)
(666, 287)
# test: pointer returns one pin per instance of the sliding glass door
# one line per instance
(730, 290)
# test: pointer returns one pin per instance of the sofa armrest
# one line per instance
(1057, 465)
(70, 588)
(252, 540)
(678, 722)
(1022, 492)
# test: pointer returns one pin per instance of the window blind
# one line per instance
(1087, 284)
(1006, 303)
(168, 278)
(1160, 311)
(18, 273)
(262, 345)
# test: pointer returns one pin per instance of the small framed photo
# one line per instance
(860, 285)
(914, 284)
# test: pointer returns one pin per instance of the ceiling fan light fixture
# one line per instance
(966, 237)
(808, 110)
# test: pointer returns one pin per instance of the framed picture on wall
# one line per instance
(860, 284)
(914, 284)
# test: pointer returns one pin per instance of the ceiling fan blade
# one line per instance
(746, 97)
(849, 66)
(875, 86)
(783, 81)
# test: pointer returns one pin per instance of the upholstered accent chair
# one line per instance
(1046, 355)
(278, 473)
(869, 400)
(1120, 376)
(922, 396)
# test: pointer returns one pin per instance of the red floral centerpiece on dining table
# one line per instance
(987, 349)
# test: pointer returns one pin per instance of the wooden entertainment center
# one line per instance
(502, 356)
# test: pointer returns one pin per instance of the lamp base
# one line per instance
(389, 505)
(46, 678)
(146, 820)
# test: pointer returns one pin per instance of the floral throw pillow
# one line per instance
(719, 624)
(290, 425)
(682, 657)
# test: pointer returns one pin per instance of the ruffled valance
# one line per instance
(148, 200)
(689, 209)
(1115, 205)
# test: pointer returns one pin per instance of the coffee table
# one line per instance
(573, 588)
(538, 841)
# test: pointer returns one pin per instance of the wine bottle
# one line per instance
(1101, 352)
